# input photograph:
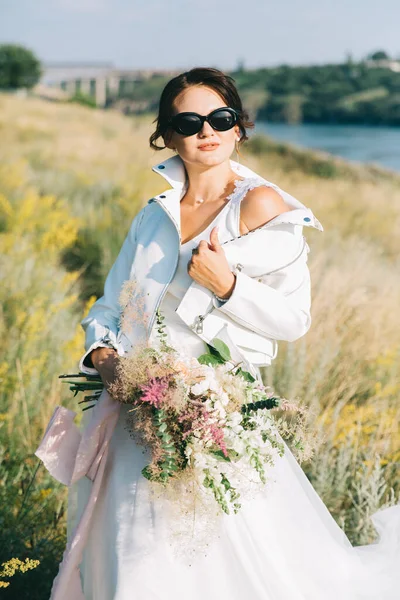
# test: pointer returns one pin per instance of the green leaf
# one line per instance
(245, 374)
(222, 348)
(146, 473)
(213, 351)
(225, 482)
(166, 465)
(85, 384)
(209, 359)
(219, 454)
(233, 454)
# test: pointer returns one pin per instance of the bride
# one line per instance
(220, 253)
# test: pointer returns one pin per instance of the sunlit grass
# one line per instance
(71, 180)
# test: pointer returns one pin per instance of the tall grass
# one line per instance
(71, 180)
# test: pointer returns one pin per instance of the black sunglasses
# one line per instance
(189, 123)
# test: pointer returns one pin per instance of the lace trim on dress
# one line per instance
(242, 186)
(240, 189)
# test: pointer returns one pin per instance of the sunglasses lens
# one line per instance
(222, 120)
(188, 124)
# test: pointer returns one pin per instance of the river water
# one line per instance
(361, 143)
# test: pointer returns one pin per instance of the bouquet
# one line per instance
(205, 420)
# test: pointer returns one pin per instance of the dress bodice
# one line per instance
(180, 336)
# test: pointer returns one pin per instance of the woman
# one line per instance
(221, 254)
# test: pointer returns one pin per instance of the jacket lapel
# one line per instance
(173, 170)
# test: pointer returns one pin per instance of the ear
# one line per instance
(167, 137)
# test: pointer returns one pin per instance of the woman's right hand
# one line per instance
(105, 361)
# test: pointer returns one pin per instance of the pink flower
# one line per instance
(197, 418)
(217, 435)
(154, 390)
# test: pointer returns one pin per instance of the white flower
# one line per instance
(224, 367)
(235, 418)
(237, 444)
(209, 405)
(213, 384)
(224, 398)
(219, 409)
(200, 460)
(217, 476)
(233, 422)
(200, 387)
(208, 383)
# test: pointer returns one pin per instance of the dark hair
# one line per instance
(221, 83)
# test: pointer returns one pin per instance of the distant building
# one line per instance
(101, 80)
(56, 73)
(384, 63)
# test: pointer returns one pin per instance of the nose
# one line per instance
(206, 128)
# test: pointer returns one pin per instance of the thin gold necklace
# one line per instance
(201, 200)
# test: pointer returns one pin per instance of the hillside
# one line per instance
(71, 180)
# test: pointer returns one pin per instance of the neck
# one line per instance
(206, 184)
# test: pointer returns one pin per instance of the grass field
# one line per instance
(71, 180)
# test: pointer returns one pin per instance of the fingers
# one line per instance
(203, 245)
(214, 238)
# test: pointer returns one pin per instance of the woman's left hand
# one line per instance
(209, 267)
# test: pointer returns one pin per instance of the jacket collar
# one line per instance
(173, 170)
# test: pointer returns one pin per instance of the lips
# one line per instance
(209, 146)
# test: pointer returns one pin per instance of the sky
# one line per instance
(181, 34)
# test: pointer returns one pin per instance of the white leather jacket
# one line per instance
(271, 299)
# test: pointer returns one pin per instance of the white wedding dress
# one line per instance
(282, 545)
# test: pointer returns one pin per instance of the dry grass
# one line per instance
(64, 168)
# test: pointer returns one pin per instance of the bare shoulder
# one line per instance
(260, 205)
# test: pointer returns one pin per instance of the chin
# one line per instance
(214, 157)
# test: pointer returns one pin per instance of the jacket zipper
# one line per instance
(270, 223)
(173, 273)
(246, 323)
(287, 264)
(198, 323)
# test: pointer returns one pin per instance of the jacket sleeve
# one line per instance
(276, 305)
(101, 325)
